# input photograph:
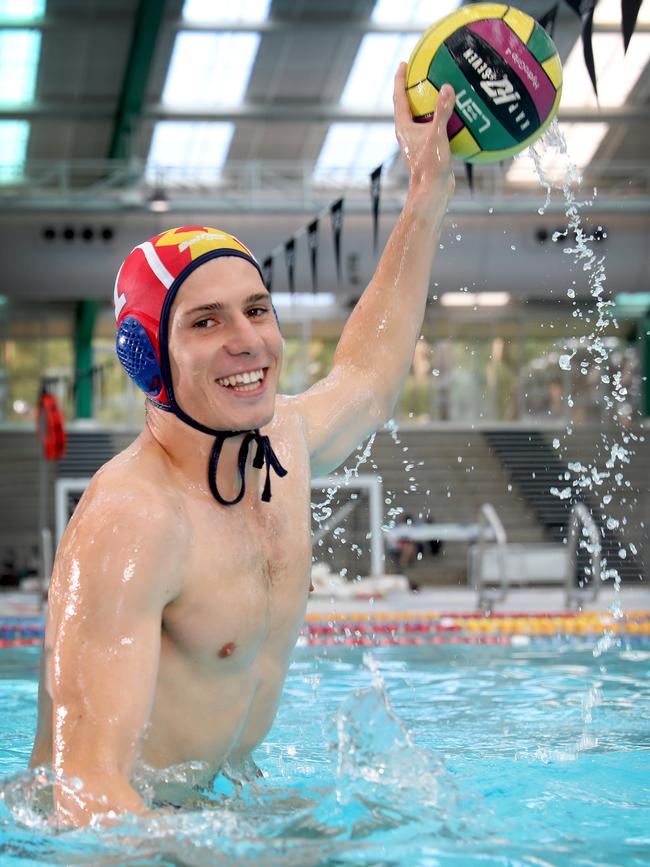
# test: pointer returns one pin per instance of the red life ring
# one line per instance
(50, 427)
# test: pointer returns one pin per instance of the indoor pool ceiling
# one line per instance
(116, 106)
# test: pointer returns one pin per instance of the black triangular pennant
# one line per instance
(375, 192)
(336, 213)
(585, 10)
(290, 259)
(548, 19)
(469, 172)
(629, 14)
(312, 243)
(267, 272)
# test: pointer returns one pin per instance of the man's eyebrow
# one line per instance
(219, 306)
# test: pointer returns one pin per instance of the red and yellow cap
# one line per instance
(145, 289)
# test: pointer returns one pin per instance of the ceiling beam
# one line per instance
(108, 18)
(524, 202)
(279, 112)
(146, 27)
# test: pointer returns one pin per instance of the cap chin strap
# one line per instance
(265, 456)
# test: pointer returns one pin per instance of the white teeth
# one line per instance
(247, 378)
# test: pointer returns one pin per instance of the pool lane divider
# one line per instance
(416, 627)
(370, 629)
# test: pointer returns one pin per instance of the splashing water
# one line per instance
(588, 478)
(355, 774)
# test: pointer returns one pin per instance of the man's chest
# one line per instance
(246, 577)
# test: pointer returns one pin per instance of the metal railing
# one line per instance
(276, 185)
(490, 521)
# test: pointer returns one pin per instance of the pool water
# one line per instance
(396, 756)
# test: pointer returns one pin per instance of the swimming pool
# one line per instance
(409, 755)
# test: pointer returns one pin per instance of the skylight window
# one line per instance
(420, 12)
(14, 135)
(22, 9)
(239, 12)
(210, 69)
(370, 83)
(190, 152)
(609, 12)
(352, 150)
(19, 53)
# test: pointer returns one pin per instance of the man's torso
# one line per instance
(227, 637)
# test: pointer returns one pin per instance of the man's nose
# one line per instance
(243, 337)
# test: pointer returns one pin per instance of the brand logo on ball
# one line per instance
(519, 62)
(478, 63)
(499, 90)
(470, 110)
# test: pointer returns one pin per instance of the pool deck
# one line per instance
(435, 602)
(457, 600)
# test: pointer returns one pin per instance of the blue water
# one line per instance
(417, 756)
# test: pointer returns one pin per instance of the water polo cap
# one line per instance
(145, 288)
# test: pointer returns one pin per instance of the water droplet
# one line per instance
(565, 361)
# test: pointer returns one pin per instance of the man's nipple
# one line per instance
(227, 650)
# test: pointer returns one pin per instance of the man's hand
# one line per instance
(425, 146)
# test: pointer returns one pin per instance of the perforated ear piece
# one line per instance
(138, 356)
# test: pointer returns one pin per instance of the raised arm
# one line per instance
(115, 573)
(376, 347)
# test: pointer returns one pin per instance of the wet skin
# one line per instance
(240, 584)
(172, 618)
(233, 581)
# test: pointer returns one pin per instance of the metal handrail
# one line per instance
(581, 517)
(488, 518)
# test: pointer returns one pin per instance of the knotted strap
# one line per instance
(263, 456)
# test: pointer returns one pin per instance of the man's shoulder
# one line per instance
(289, 415)
(133, 487)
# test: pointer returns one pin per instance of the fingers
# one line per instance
(444, 106)
(400, 99)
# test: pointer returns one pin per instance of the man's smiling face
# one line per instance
(225, 346)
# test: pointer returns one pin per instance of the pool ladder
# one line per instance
(491, 530)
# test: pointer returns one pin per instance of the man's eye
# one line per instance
(257, 311)
(204, 323)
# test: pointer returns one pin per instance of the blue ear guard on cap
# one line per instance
(138, 356)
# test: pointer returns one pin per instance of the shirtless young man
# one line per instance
(172, 615)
